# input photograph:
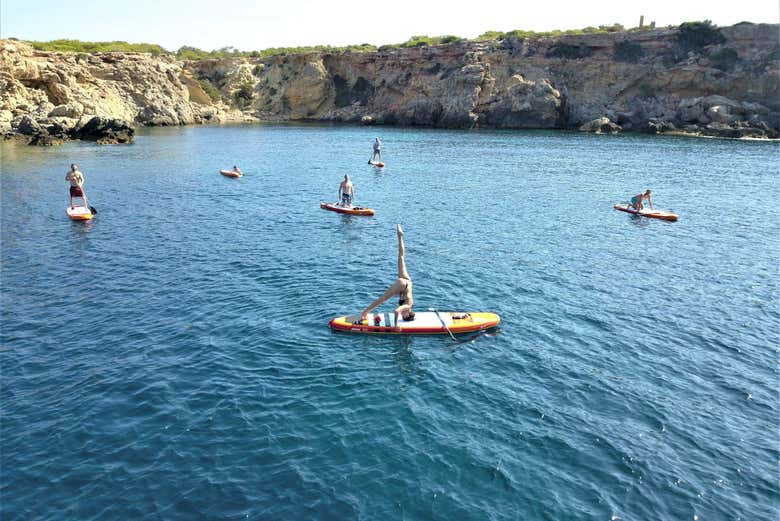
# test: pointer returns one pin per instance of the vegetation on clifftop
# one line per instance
(520, 34)
(692, 37)
(64, 45)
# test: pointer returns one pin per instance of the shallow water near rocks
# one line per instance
(171, 359)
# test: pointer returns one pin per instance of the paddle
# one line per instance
(93, 210)
(443, 324)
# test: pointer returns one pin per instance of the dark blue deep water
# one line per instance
(171, 359)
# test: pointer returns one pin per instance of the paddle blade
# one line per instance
(93, 210)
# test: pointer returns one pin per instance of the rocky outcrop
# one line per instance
(52, 96)
(104, 131)
(645, 81)
(601, 126)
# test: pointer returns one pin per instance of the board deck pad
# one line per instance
(421, 320)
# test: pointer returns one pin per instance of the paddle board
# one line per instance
(79, 213)
(655, 214)
(424, 323)
(377, 163)
(355, 210)
(230, 173)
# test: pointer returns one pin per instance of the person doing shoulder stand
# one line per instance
(401, 287)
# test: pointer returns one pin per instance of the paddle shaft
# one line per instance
(444, 324)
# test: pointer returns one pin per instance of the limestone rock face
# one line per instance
(525, 104)
(307, 89)
(117, 87)
(569, 82)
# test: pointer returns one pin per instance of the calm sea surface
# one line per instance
(171, 358)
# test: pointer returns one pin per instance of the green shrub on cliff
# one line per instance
(64, 45)
(209, 89)
(725, 59)
(423, 41)
(193, 53)
(695, 36)
(626, 51)
(569, 52)
(244, 95)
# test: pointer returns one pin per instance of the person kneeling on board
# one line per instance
(636, 201)
(401, 287)
(346, 193)
(76, 179)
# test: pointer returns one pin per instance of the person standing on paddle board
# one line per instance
(377, 150)
(401, 287)
(636, 201)
(346, 193)
(76, 179)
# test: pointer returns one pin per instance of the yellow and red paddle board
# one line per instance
(646, 212)
(79, 213)
(424, 323)
(355, 210)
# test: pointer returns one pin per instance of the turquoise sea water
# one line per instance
(171, 359)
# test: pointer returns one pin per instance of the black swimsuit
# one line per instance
(401, 300)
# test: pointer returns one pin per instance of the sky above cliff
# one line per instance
(251, 25)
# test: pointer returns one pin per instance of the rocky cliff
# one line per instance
(724, 84)
(50, 96)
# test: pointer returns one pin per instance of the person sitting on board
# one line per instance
(636, 201)
(401, 287)
(76, 179)
(237, 170)
(377, 150)
(346, 193)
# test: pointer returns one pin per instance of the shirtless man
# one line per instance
(377, 150)
(346, 193)
(76, 179)
(401, 287)
(636, 201)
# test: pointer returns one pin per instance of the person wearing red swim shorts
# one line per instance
(76, 179)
